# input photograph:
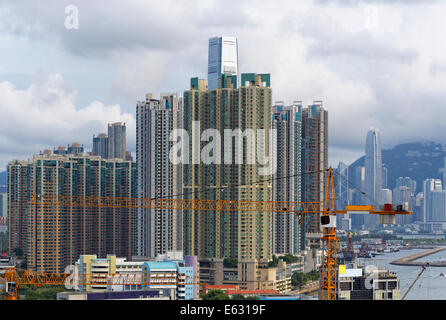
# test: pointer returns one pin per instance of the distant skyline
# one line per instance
(373, 63)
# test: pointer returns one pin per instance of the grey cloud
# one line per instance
(437, 68)
(103, 25)
(386, 2)
(108, 26)
(334, 42)
(44, 115)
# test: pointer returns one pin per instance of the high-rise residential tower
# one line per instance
(53, 236)
(222, 59)
(373, 173)
(100, 145)
(230, 174)
(74, 148)
(314, 159)
(116, 140)
(288, 126)
(159, 231)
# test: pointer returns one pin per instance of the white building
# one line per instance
(438, 209)
(403, 195)
(429, 187)
(386, 196)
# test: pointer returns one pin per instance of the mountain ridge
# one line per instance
(416, 160)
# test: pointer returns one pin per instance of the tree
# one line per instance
(24, 264)
(298, 279)
(274, 262)
(215, 295)
(238, 297)
(43, 293)
(230, 262)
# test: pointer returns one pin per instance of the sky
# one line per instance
(375, 63)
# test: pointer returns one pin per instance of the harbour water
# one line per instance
(430, 286)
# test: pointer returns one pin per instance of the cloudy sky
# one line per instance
(375, 63)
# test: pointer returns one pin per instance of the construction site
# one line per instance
(335, 278)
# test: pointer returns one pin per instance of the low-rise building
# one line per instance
(248, 274)
(367, 283)
(112, 274)
(232, 290)
(119, 295)
(6, 262)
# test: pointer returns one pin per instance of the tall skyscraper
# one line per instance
(3, 204)
(100, 145)
(429, 187)
(222, 59)
(342, 186)
(357, 196)
(238, 234)
(116, 140)
(373, 173)
(387, 196)
(403, 194)
(53, 236)
(342, 192)
(438, 208)
(419, 207)
(314, 158)
(385, 177)
(159, 231)
(406, 182)
(74, 148)
(286, 229)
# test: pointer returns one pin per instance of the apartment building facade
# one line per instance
(314, 159)
(287, 178)
(53, 236)
(243, 235)
(159, 231)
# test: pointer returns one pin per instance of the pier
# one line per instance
(409, 260)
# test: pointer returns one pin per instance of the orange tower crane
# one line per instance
(328, 216)
(330, 239)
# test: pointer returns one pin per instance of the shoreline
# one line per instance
(409, 260)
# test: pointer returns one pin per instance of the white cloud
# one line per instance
(44, 115)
